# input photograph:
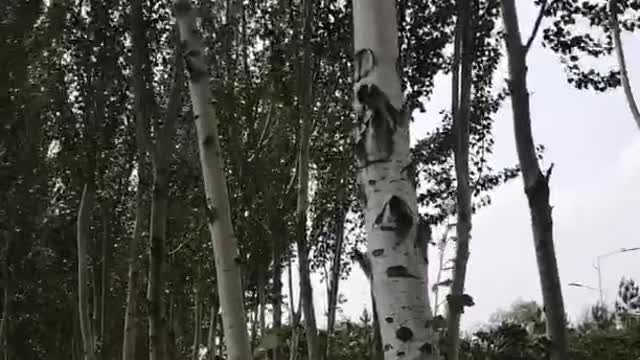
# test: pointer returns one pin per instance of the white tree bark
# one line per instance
(624, 75)
(218, 213)
(387, 179)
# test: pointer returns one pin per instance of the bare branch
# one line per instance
(536, 26)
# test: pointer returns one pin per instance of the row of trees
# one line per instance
(105, 251)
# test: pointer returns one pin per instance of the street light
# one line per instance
(597, 265)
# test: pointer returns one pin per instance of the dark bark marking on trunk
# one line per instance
(364, 63)
(361, 194)
(388, 319)
(411, 176)
(372, 182)
(399, 271)
(427, 348)
(387, 347)
(211, 213)
(404, 334)
(160, 191)
(208, 141)
(195, 72)
(400, 353)
(377, 252)
(181, 8)
(395, 216)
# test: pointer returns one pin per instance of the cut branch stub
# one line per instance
(364, 63)
(395, 216)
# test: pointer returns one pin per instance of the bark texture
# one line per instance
(461, 118)
(225, 245)
(622, 63)
(387, 179)
(376, 341)
(536, 186)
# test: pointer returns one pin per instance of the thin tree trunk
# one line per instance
(262, 302)
(131, 311)
(159, 207)
(6, 305)
(306, 291)
(277, 297)
(536, 186)
(131, 320)
(295, 316)
(334, 281)
(218, 213)
(387, 179)
(213, 325)
(84, 216)
(622, 63)
(104, 285)
(197, 321)
(461, 117)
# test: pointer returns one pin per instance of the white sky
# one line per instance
(595, 145)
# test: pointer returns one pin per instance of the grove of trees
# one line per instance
(117, 243)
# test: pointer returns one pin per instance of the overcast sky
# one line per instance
(595, 146)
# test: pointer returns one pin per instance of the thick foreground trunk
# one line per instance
(387, 178)
(461, 118)
(84, 215)
(218, 213)
(622, 63)
(536, 186)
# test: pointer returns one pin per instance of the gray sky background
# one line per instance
(595, 146)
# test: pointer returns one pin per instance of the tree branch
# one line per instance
(536, 26)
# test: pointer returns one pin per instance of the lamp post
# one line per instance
(598, 267)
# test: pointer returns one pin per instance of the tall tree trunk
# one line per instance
(104, 283)
(142, 110)
(133, 276)
(461, 118)
(536, 186)
(622, 63)
(306, 290)
(295, 315)
(6, 303)
(218, 213)
(162, 152)
(262, 301)
(84, 216)
(197, 323)
(376, 343)
(334, 281)
(387, 178)
(277, 297)
(213, 325)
